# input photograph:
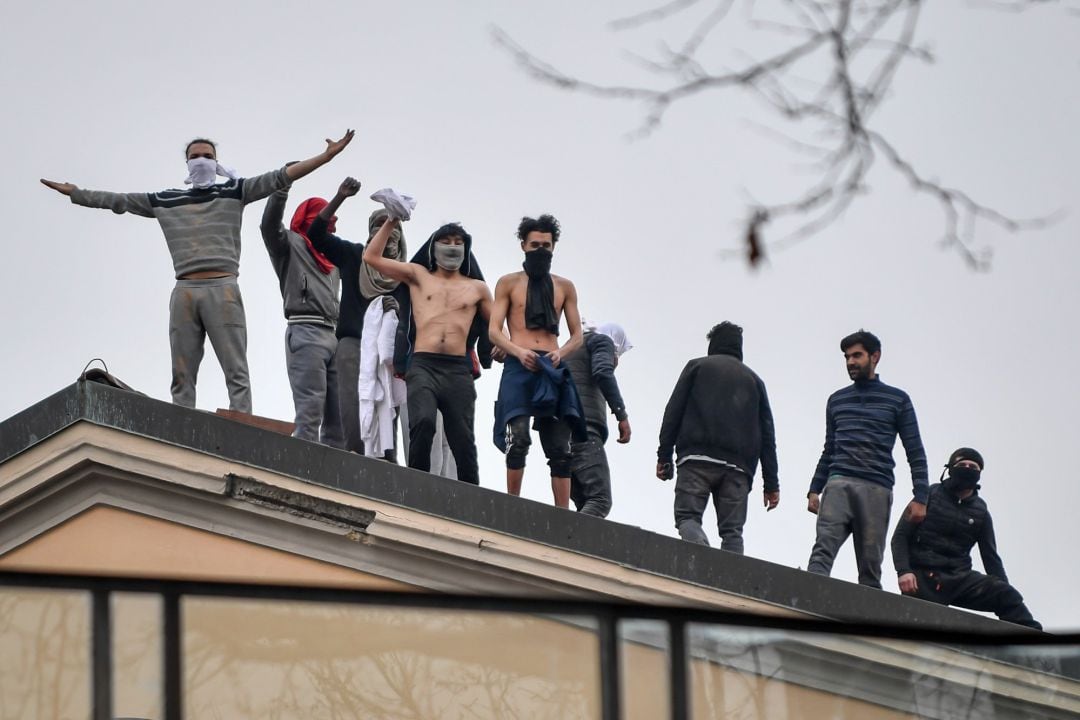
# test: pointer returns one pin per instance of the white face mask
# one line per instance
(201, 172)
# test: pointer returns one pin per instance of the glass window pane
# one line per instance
(137, 661)
(44, 654)
(746, 673)
(258, 659)
(644, 670)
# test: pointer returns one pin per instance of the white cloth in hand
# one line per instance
(399, 206)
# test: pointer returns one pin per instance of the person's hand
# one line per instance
(349, 187)
(333, 147)
(555, 356)
(528, 359)
(62, 188)
(813, 502)
(772, 499)
(915, 512)
(390, 303)
(665, 470)
(908, 584)
(498, 354)
(624, 431)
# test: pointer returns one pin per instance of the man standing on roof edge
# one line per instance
(534, 384)
(439, 379)
(720, 422)
(933, 558)
(593, 370)
(856, 466)
(309, 285)
(202, 229)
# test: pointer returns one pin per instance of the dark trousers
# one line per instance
(554, 439)
(697, 481)
(347, 362)
(850, 506)
(590, 477)
(975, 591)
(442, 384)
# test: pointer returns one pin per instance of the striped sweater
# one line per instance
(201, 226)
(861, 425)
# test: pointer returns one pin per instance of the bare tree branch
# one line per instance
(863, 43)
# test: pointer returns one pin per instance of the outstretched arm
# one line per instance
(119, 203)
(272, 227)
(500, 307)
(333, 147)
(373, 254)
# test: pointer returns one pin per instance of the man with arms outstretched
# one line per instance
(534, 384)
(202, 229)
(444, 302)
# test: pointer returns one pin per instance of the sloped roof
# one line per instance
(636, 550)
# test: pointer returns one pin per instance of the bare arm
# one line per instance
(373, 255)
(573, 321)
(333, 147)
(500, 307)
(349, 187)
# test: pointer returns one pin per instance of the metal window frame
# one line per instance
(607, 616)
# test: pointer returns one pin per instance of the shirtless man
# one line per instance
(531, 303)
(444, 302)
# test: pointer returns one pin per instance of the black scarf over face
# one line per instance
(540, 296)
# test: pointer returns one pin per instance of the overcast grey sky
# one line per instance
(106, 94)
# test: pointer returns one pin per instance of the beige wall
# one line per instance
(108, 541)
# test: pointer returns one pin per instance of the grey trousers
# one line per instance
(309, 358)
(214, 308)
(850, 506)
(729, 488)
(590, 477)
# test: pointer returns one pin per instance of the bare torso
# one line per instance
(443, 310)
(532, 338)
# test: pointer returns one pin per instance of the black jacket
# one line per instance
(943, 541)
(348, 257)
(720, 409)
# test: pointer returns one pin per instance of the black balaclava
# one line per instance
(726, 340)
(540, 296)
(961, 479)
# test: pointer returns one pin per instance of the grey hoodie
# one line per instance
(309, 295)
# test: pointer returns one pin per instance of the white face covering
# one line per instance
(203, 171)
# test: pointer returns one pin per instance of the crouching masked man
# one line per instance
(933, 559)
(444, 301)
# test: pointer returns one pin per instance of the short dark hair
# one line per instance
(724, 328)
(544, 223)
(867, 339)
(452, 230)
(211, 143)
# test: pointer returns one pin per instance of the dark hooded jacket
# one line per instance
(406, 336)
(719, 409)
(944, 539)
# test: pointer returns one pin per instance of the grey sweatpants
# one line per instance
(309, 357)
(850, 506)
(697, 481)
(201, 308)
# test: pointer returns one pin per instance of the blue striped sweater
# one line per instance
(861, 424)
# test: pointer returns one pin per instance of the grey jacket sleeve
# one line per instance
(119, 203)
(258, 187)
(272, 227)
(602, 367)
